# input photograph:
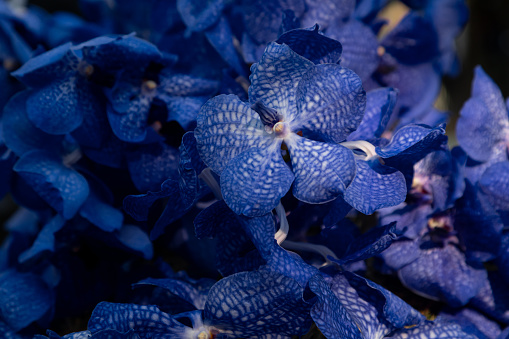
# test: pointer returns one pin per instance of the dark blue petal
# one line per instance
(25, 298)
(369, 244)
(183, 110)
(479, 130)
(137, 206)
(329, 314)
(135, 239)
(193, 292)
(375, 186)
(150, 165)
(488, 92)
(411, 143)
(54, 64)
(259, 302)
(55, 108)
(401, 253)
(493, 298)
(275, 77)
(326, 12)
(183, 85)
(437, 329)
(254, 181)
(221, 38)
(418, 87)
(121, 52)
(413, 40)
(330, 102)
(472, 322)
(19, 134)
(146, 320)
(359, 46)
(322, 170)
(100, 213)
(61, 187)
(379, 105)
(312, 45)
(45, 240)
(218, 221)
(442, 274)
(227, 127)
(262, 19)
(200, 15)
(131, 125)
(291, 265)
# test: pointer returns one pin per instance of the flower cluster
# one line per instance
(151, 147)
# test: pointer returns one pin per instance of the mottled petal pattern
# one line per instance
(322, 170)
(254, 181)
(226, 127)
(275, 77)
(330, 102)
(375, 186)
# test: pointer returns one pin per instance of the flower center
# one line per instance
(269, 116)
(281, 129)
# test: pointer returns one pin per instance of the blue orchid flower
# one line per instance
(242, 143)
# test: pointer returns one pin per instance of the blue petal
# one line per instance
(413, 40)
(437, 329)
(401, 253)
(254, 181)
(183, 85)
(322, 170)
(411, 143)
(200, 15)
(221, 38)
(137, 206)
(55, 108)
(275, 77)
(488, 92)
(131, 125)
(194, 292)
(262, 19)
(479, 130)
(493, 298)
(245, 302)
(150, 165)
(25, 298)
(370, 244)
(326, 12)
(442, 274)
(379, 105)
(359, 46)
(61, 187)
(45, 240)
(183, 110)
(473, 322)
(330, 102)
(135, 239)
(329, 314)
(290, 265)
(226, 127)
(312, 45)
(100, 213)
(51, 65)
(218, 221)
(19, 134)
(375, 186)
(146, 320)
(121, 52)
